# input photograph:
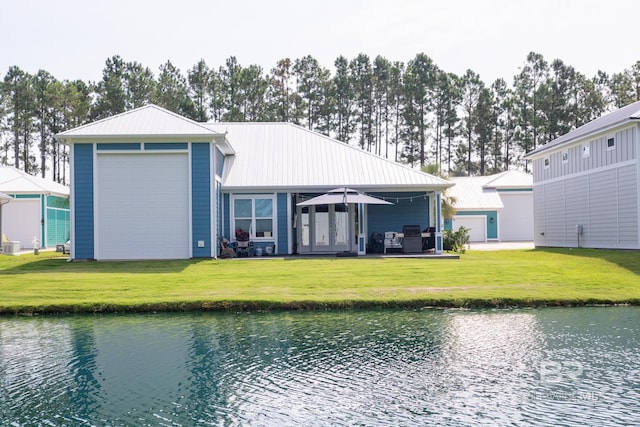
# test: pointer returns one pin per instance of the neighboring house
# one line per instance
(38, 212)
(495, 207)
(150, 184)
(586, 184)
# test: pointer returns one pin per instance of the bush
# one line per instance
(456, 241)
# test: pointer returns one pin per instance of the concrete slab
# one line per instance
(500, 246)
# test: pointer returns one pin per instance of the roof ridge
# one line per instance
(133, 111)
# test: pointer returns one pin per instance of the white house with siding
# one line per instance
(586, 184)
(494, 207)
(38, 212)
(151, 184)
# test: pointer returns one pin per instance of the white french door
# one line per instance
(324, 228)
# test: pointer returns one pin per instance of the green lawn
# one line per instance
(48, 283)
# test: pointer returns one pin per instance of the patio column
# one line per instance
(438, 221)
(362, 241)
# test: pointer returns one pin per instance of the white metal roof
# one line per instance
(15, 181)
(287, 156)
(510, 179)
(482, 192)
(623, 115)
(149, 120)
(470, 193)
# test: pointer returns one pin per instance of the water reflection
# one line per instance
(387, 367)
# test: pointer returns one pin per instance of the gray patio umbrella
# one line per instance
(344, 195)
(3, 200)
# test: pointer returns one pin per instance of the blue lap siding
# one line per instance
(83, 201)
(201, 199)
(283, 225)
(407, 209)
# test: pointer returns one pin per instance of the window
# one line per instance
(254, 215)
(611, 143)
(585, 150)
(565, 157)
(547, 163)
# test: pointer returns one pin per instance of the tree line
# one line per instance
(414, 113)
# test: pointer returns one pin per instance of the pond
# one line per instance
(561, 366)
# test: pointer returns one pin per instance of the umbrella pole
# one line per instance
(349, 252)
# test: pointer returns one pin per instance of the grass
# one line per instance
(47, 283)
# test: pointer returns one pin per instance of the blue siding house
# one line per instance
(150, 184)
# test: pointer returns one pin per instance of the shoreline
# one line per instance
(262, 306)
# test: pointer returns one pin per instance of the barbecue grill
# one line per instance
(412, 241)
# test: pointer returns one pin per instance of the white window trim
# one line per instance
(613, 147)
(252, 234)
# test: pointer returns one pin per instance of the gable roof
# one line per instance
(470, 194)
(482, 192)
(510, 179)
(287, 156)
(149, 121)
(15, 181)
(625, 114)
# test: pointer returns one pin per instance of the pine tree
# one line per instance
(172, 91)
(484, 125)
(280, 89)
(472, 86)
(362, 78)
(396, 98)
(344, 100)
(111, 96)
(19, 94)
(140, 85)
(199, 80)
(420, 83)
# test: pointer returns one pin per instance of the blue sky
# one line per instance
(73, 38)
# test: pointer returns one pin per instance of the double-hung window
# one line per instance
(254, 215)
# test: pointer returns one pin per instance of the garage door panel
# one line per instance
(516, 218)
(21, 221)
(143, 206)
(475, 224)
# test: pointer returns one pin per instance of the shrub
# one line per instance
(456, 241)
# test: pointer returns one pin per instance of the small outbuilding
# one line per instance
(586, 184)
(38, 214)
(494, 207)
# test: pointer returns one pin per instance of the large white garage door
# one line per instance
(475, 224)
(516, 218)
(21, 221)
(142, 206)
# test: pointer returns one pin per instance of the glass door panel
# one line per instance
(305, 228)
(322, 234)
(341, 228)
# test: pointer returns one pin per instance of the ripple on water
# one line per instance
(395, 367)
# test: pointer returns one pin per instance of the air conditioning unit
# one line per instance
(11, 248)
